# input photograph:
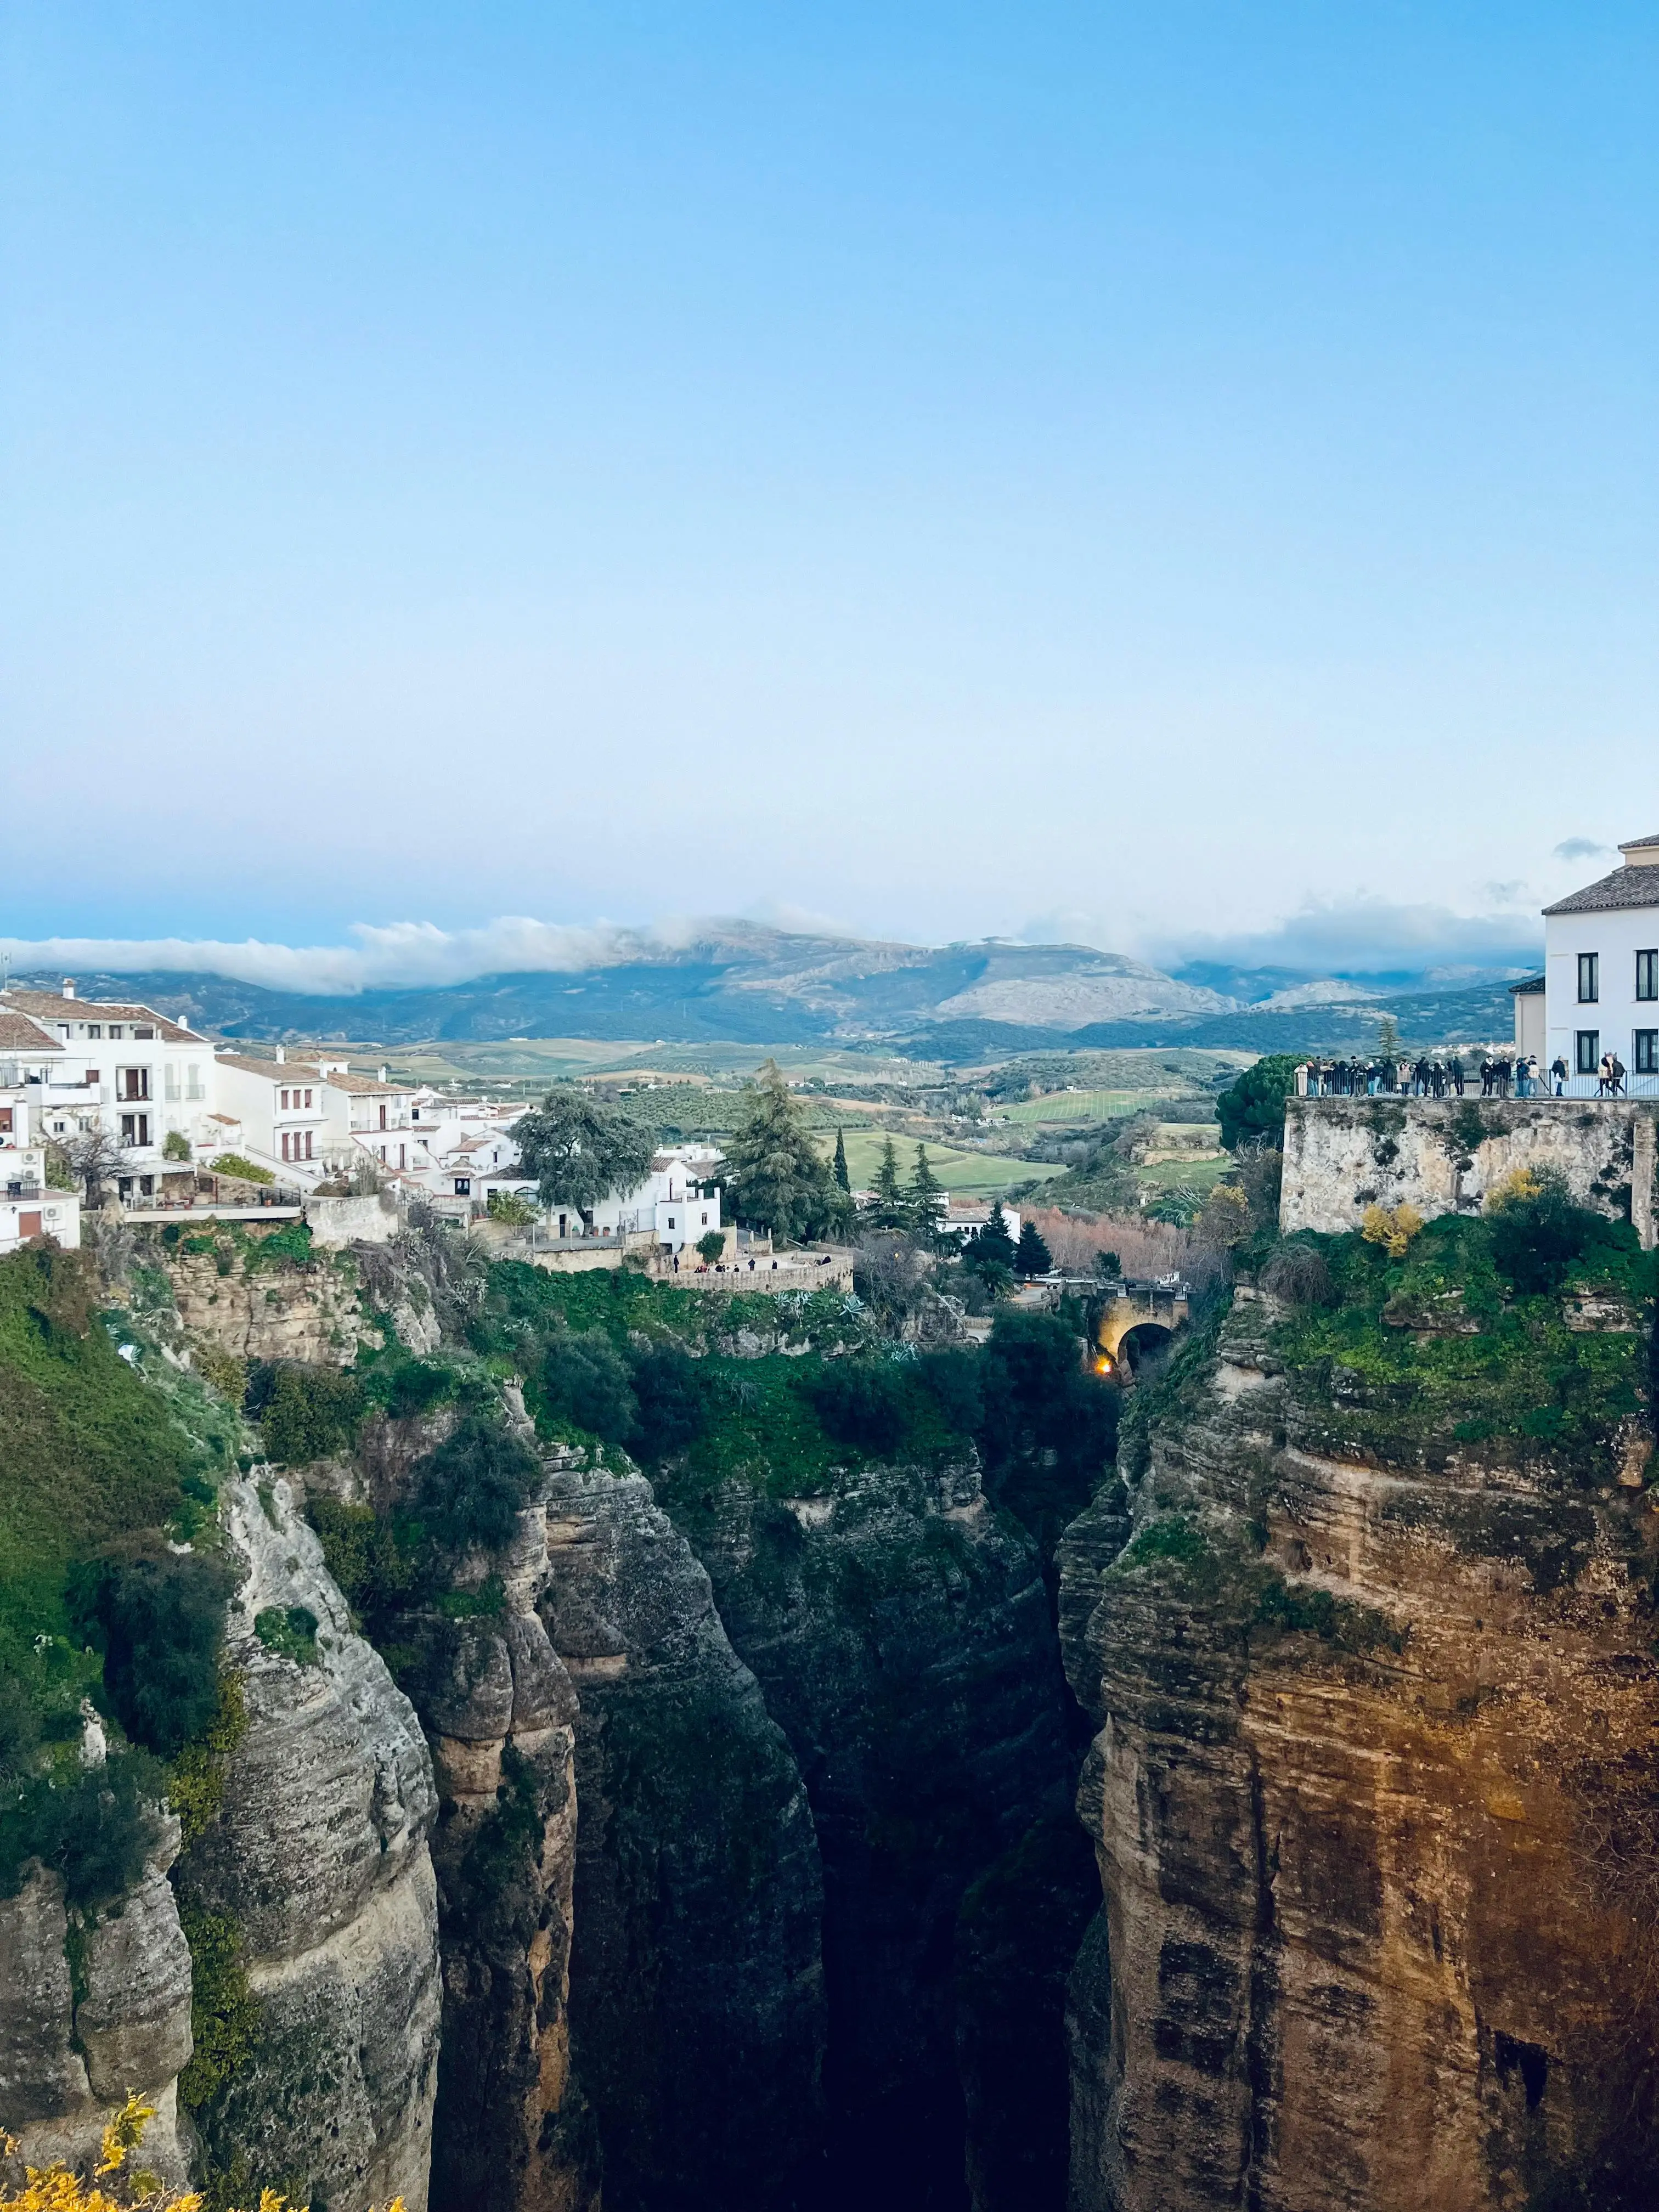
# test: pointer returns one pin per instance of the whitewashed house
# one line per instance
(1601, 974)
(139, 1074)
(291, 1118)
(29, 1207)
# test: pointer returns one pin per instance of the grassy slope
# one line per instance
(966, 1174)
(90, 1447)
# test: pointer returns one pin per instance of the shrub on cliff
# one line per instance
(93, 1826)
(157, 1618)
(1254, 1106)
(304, 1412)
(471, 1489)
(864, 1403)
(585, 1384)
(671, 1395)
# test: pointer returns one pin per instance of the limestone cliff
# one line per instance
(318, 1863)
(1372, 1793)
(73, 2044)
(697, 1985)
(899, 1630)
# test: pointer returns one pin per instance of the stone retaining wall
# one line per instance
(1448, 1155)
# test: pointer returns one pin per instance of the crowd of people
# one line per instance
(1448, 1079)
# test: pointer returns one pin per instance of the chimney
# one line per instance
(69, 987)
(383, 1075)
(282, 1053)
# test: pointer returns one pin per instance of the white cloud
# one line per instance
(1582, 848)
(396, 956)
(1375, 937)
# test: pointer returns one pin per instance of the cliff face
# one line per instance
(697, 1985)
(1372, 1794)
(72, 2045)
(316, 1868)
(311, 1311)
(899, 1630)
(501, 1713)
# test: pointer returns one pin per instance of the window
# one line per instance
(115, 1029)
(463, 1186)
(284, 1108)
(91, 1076)
(307, 1144)
(1647, 974)
(135, 1128)
(5, 1121)
(194, 1087)
(1646, 1042)
(96, 1030)
(132, 1083)
(148, 1034)
(1590, 978)
(170, 1082)
(1588, 1050)
(383, 1117)
(285, 1144)
(307, 1102)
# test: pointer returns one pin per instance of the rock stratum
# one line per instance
(1372, 1795)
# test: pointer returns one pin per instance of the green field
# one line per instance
(527, 1064)
(965, 1174)
(1078, 1108)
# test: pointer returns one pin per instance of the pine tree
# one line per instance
(842, 1180)
(887, 1208)
(772, 1168)
(991, 1253)
(1033, 1256)
(924, 1198)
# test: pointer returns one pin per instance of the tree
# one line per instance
(93, 1157)
(1388, 1038)
(711, 1245)
(772, 1171)
(1255, 1105)
(887, 1208)
(924, 1199)
(581, 1151)
(1109, 1265)
(843, 1182)
(175, 1145)
(1032, 1255)
(990, 1252)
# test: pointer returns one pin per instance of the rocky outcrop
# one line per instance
(1373, 1801)
(697, 1986)
(899, 1630)
(72, 2045)
(509, 2132)
(308, 1312)
(317, 1864)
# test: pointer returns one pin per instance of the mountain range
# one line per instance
(744, 984)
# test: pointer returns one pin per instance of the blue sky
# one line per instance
(1152, 474)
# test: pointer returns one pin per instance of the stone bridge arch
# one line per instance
(1139, 1306)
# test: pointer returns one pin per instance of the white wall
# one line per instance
(1618, 1014)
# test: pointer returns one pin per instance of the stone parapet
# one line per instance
(1448, 1155)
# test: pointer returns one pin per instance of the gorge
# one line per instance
(673, 1752)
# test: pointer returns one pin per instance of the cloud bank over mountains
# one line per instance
(1363, 938)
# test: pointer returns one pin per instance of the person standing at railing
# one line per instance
(1558, 1071)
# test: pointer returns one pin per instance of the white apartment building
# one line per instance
(1601, 974)
(29, 1207)
(141, 1075)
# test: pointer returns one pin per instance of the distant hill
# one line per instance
(740, 983)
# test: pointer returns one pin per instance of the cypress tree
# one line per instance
(888, 1208)
(842, 1180)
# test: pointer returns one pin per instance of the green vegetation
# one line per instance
(224, 2016)
(238, 1164)
(305, 1413)
(196, 1780)
(175, 1145)
(512, 1209)
(1461, 1344)
(581, 1151)
(1242, 1596)
(775, 1176)
(156, 1620)
(94, 1826)
(961, 1172)
(1255, 1105)
(290, 1631)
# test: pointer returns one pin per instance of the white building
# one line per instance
(123, 1065)
(962, 1218)
(1601, 973)
(29, 1207)
(291, 1114)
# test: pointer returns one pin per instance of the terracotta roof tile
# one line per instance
(1624, 887)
